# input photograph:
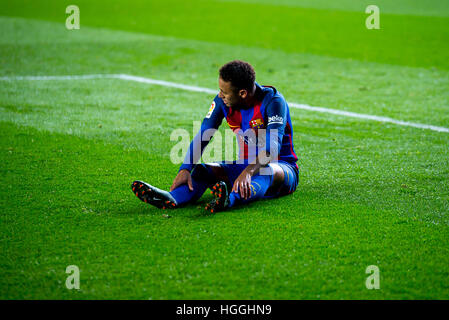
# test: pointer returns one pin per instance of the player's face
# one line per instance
(228, 94)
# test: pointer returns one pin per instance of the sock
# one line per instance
(259, 185)
(202, 178)
(182, 194)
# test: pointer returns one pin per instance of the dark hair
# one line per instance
(240, 73)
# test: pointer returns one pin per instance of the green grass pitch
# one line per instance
(370, 193)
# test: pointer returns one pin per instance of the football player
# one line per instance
(267, 168)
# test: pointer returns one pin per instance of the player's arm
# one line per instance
(276, 118)
(212, 121)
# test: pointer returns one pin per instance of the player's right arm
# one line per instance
(212, 121)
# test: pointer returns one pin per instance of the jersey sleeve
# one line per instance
(276, 113)
(211, 121)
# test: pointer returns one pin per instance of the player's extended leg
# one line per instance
(282, 180)
(203, 176)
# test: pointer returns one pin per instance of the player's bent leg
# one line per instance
(287, 184)
(224, 199)
(282, 179)
(259, 186)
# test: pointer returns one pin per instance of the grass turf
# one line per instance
(76, 208)
(369, 193)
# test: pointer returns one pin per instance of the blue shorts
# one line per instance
(291, 176)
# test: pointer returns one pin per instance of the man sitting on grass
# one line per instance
(260, 118)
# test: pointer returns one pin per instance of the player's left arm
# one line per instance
(276, 117)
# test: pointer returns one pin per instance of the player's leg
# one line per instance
(230, 172)
(289, 182)
(260, 184)
(224, 198)
(203, 176)
(282, 179)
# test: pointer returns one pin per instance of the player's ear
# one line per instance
(243, 93)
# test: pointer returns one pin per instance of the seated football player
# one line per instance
(266, 168)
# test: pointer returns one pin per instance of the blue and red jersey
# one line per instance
(271, 113)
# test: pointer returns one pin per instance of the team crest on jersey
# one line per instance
(211, 109)
(256, 123)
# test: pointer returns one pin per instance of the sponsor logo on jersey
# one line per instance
(275, 119)
(211, 109)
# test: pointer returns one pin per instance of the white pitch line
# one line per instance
(368, 117)
(211, 91)
(79, 77)
(165, 83)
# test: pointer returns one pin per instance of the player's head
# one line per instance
(237, 83)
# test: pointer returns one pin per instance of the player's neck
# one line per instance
(254, 99)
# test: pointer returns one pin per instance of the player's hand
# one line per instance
(243, 185)
(182, 177)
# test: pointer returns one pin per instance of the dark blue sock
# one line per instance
(259, 186)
